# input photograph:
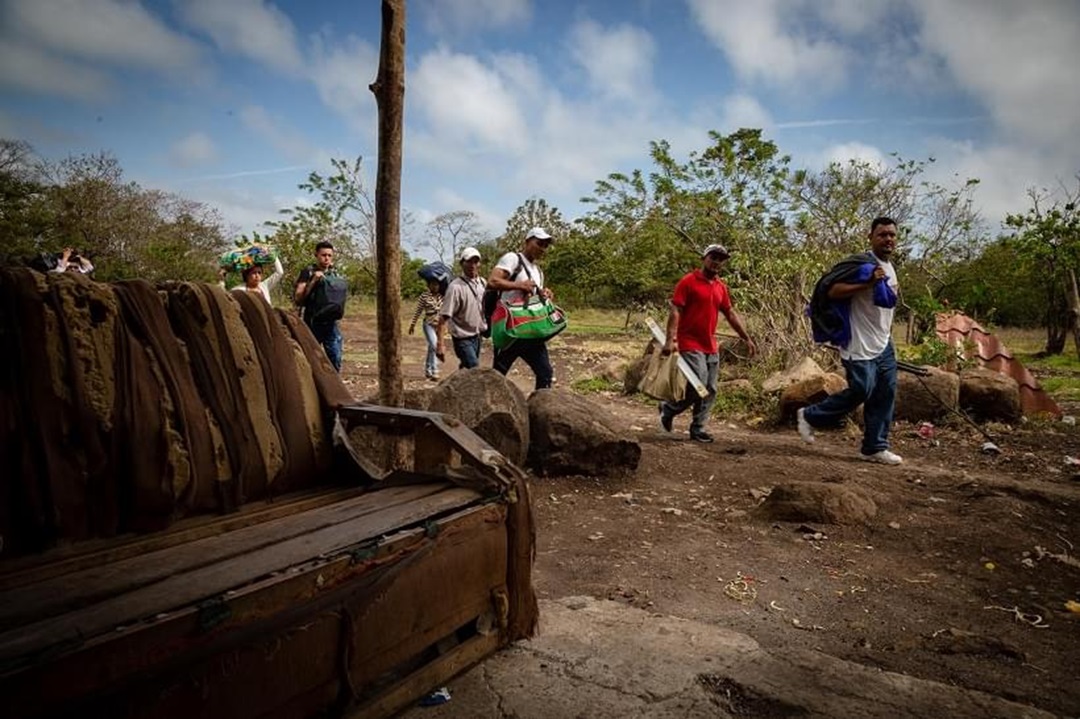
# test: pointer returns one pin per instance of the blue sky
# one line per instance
(232, 102)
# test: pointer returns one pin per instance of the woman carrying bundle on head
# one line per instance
(251, 263)
(428, 304)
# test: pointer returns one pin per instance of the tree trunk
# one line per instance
(389, 91)
(1074, 311)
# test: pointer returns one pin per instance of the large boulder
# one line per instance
(810, 390)
(805, 369)
(635, 370)
(818, 502)
(570, 434)
(920, 399)
(488, 404)
(989, 396)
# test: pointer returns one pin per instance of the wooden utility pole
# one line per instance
(389, 91)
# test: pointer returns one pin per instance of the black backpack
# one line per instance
(327, 302)
(491, 298)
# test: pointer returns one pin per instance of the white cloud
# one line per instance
(250, 28)
(341, 74)
(468, 104)
(1019, 59)
(112, 31)
(27, 68)
(744, 111)
(618, 62)
(759, 46)
(1005, 172)
(286, 140)
(860, 152)
(459, 17)
(195, 149)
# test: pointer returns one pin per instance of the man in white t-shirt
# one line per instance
(868, 296)
(517, 276)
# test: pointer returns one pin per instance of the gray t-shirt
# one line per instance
(463, 306)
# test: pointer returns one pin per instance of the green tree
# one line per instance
(655, 225)
(534, 212)
(25, 213)
(83, 202)
(1048, 238)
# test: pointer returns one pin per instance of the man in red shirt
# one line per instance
(698, 299)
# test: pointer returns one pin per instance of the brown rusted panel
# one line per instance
(122, 673)
(957, 329)
(433, 593)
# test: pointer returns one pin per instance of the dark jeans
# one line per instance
(871, 383)
(535, 354)
(467, 350)
(329, 336)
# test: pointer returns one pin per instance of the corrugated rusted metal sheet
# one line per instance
(958, 329)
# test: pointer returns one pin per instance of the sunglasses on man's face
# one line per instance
(543, 243)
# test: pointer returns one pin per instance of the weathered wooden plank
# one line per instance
(430, 676)
(96, 552)
(272, 607)
(28, 603)
(192, 585)
(442, 589)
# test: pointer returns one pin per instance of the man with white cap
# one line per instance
(462, 309)
(698, 299)
(517, 277)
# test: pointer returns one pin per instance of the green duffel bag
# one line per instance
(537, 319)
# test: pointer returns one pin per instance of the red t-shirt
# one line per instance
(699, 300)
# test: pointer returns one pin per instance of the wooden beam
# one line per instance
(389, 90)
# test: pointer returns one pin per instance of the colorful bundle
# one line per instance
(242, 258)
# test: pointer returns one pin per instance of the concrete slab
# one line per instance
(600, 659)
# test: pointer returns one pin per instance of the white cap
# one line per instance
(718, 249)
(538, 233)
(468, 253)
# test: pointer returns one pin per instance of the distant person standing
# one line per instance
(860, 294)
(321, 294)
(518, 277)
(462, 311)
(428, 305)
(72, 261)
(698, 300)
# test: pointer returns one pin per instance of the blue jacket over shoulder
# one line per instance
(830, 320)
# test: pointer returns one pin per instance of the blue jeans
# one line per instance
(707, 368)
(431, 362)
(535, 354)
(467, 350)
(871, 383)
(329, 336)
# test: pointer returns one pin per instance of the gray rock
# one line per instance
(570, 434)
(816, 502)
(488, 404)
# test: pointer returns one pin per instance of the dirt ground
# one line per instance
(961, 577)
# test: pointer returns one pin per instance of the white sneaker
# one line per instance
(882, 457)
(805, 430)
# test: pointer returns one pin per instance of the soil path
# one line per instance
(962, 576)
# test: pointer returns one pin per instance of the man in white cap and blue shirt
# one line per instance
(517, 277)
(462, 309)
(698, 300)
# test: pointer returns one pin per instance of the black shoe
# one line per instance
(701, 436)
(665, 421)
